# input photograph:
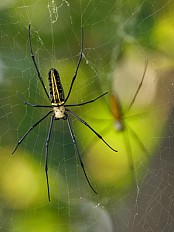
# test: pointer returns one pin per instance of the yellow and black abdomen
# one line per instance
(56, 89)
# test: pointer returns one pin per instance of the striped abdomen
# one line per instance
(56, 89)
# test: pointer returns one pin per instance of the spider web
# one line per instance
(119, 37)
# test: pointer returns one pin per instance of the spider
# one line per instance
(121, 125)
(59, 108)
(119, 117)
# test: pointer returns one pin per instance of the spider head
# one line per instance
(118, 125)
(59, 112)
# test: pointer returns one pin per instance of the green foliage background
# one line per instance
(119, 36)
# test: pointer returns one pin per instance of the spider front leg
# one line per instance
(77, 67)
(34, 61)
(139, 87)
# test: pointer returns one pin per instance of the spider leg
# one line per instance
(128, 148)
(84, 103)
(30, 129)
(34, 61)
(78, 153)
(41, 106)
(33, 105)
(86, 124)
(138, 140)
(139, 87)
(46, 155)
(77, 68)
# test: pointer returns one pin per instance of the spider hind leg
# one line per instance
(78, 153)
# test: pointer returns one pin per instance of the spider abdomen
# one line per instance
(56, 90)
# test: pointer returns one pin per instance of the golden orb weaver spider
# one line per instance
(117, 122)
(119, 118)
(59, 108)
